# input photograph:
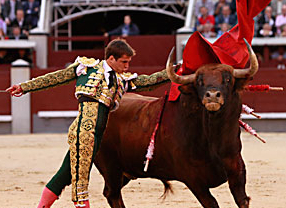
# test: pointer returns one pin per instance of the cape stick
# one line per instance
(250, 130)
(151, 146)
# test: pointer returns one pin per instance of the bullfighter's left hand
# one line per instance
(15, 90)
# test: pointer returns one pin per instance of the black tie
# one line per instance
(111, 79)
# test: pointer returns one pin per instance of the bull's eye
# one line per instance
(200, 82)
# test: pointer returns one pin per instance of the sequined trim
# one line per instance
(50, 80)
(88, 62)
(96, 86)
(81, 141)
(149, 82)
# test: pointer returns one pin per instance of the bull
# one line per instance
(198, 141)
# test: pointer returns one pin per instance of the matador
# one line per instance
(100, 86)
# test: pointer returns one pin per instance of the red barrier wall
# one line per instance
(54, 99)
(61, 57)
(62, 98)
(272, 101)
(151, 50)
(5, 104)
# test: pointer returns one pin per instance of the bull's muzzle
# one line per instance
(213, 100)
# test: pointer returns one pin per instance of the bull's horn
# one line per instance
(173, 76)
(251, 71)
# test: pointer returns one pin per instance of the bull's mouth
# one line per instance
(213, 106)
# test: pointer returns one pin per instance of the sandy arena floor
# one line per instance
(28, 162)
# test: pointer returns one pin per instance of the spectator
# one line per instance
(283, 30)
(281, 19)
(2, 34)
(207, 31)
(16, 33)
(206, 3)
(224, 27)
(9, 9)
(126, 29)
(21, 22)
(31, 9)
(277, 6)
(280, 56)
(24, 54)
(218, 7)
(3, 25)
(225, 17)
(233, 6)
(3, 56)
(204, 19)
(266, 31)
(267, 17)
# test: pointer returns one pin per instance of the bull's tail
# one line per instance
(168, 189)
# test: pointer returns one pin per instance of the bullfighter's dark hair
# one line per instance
(117, 48)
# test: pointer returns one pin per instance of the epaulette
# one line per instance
(88, 62)
(84, 63)
(129, 76)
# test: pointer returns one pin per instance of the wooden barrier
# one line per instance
(151, 55)
(60, 58)
(272, 101)
(151, 50)
(5, 104)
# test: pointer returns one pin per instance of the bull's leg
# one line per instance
(125, 181)
(114, 181)
(109, 168)
(203, 195)
(112, 192)
(236, 179)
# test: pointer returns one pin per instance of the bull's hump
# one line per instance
(134, 102)
(133, 96)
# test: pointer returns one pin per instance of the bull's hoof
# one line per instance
(244, 203)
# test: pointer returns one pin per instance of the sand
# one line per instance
(28, 162)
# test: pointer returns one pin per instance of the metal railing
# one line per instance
(114, 2)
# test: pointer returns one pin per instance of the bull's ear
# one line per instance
(186, 89)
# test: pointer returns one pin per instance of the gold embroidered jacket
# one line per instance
(91, 82)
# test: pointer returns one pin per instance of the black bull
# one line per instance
(196, 146)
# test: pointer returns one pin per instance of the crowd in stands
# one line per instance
(216, 17)
(17, 18)
(213, 18)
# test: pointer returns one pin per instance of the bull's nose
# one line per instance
(213, 94)
(213, 100)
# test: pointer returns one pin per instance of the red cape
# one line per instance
(229, 49)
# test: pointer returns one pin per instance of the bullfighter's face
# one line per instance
(121, 64)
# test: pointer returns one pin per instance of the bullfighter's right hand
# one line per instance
(15, 90)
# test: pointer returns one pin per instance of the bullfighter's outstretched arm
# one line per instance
(150, 82)
(53, 79)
